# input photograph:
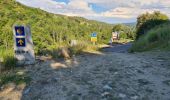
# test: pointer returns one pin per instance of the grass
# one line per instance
(156, 38)
(8, 70)
(83, 46)
(14, 77)
(76, 49)
(8, 60)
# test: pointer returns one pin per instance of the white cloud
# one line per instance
(43, 3)
(121, 12)
(122, 9)
(78, 4)
(127, 13)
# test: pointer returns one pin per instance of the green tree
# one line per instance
(147, 21)
(125, 31)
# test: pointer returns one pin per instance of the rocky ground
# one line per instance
(105, 76)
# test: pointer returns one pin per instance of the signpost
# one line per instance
(23, 45)
(94, 38)
(115, 35)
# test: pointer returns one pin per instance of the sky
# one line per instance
(109, 11)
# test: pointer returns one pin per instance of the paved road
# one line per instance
(118, 48)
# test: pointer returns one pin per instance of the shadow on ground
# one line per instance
(119, 48)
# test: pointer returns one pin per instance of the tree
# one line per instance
(118, 27)
(124, 30)
(147, 21)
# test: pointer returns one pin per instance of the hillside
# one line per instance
(130, 24)
(48, 29)
(156, 38)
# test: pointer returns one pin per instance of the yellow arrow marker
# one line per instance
(20, 42)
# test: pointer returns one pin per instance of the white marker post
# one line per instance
(23, 45)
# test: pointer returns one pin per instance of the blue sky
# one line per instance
(109, 11)
(66, 1)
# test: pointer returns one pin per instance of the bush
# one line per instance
(158, 37)
(77, 49)
(123, 35)
(147, 21)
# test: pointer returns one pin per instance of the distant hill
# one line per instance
(48, 29)
(130, 24)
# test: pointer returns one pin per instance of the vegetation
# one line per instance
(147, 21)
(158, 37)
(12, 76)
(49, 30)
(126, 32)
(82, 47)
(8, 60)
(152, 32)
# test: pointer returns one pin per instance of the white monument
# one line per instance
(23, 45)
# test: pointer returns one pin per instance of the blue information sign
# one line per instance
(19, 31)
(20, 42)
(94, 35)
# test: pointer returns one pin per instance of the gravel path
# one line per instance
(122, 48)
(107, 76)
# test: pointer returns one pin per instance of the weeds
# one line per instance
(12, 76)
(74, 50)
(8, 60)
(83, 47)
(8, 69)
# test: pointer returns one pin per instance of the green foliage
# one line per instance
(118, 27)
(9, 62)
(13, 77)
(123, 35)
(126, 32)
(147, 21)
(83, 47)
(158, 37)
(48, 30)
(77, 49)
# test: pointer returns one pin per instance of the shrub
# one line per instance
(157, 37)
(147, 21)
(123, 35)
(77, 49)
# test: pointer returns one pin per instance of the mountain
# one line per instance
(48, 30)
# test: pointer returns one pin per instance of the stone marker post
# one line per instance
(23, 45)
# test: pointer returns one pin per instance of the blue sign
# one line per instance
(94, 35)
(19, 31)
(20, 42)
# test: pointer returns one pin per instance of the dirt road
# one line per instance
(118, 48)
(106, 76)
